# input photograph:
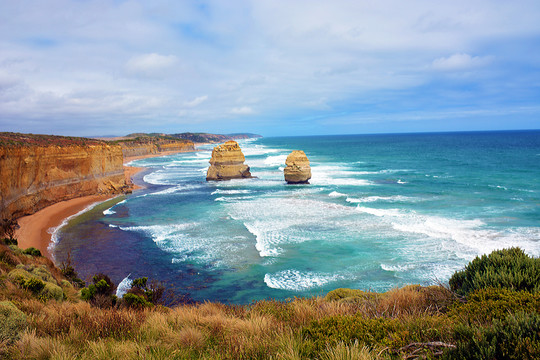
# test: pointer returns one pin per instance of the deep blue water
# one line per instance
(380, 211)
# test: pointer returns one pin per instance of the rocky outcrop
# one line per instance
(38, 173)
(297, 170)
(227, 163)
(152, 145)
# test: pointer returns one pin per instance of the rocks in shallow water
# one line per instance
(227, 163)
(297, 170)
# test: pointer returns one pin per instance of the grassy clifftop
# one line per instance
(9, 139)
(413, 322)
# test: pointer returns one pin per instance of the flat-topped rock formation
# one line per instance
(150, 145)
(227, 163)
(297, 170)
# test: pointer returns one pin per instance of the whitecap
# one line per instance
(296, 280)
(230, 192)
(176, 189)
(123, 287)
(336, 194)
(395, 198)
(396, 268)
(380, 212)
(275, 160)
(109, 211)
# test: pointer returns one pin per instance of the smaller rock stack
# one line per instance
(227, 163)
(297, 170)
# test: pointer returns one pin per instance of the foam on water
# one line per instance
(109, 211)
(230, 192)
(123, 287)
(373, 224)
(336, 194)
(275, 160)
(368, 199)
(176, 189)
(276, 222)
(299, 280)
(396, 268)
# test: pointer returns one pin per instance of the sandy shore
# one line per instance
(33, 231)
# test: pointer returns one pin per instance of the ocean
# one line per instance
(381, 211)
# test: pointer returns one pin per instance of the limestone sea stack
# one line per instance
(297, 170)
(227, 163)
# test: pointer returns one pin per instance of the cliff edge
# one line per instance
(40, 170)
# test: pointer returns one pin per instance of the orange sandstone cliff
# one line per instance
(39, 170)
(154, 145)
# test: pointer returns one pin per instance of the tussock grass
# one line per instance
(409, 322)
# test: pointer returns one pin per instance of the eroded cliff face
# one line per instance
(154, 146)
(35, 176)
(227, 163)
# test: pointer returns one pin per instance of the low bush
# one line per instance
(12, 322)
(485, 305)
(32, 251)
(143, 293)
(347, 329)
(101, 292)
(507, 268)
(517, 337)
(133, 300)
(9, 241)
(33, 284)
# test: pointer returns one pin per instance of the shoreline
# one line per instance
(34, 229)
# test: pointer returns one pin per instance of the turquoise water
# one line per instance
(380, 211)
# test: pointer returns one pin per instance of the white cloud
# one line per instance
(117, 61)
(460, 61)
(197, 101)
(242, 110)
(150, 64)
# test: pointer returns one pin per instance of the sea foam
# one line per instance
(296, 280)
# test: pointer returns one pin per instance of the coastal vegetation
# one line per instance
(489, 311)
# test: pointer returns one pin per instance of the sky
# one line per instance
(272, 67)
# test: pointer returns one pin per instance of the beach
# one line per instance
(34, 230)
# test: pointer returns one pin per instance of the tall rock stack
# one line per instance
(227, 163)
(297, 170)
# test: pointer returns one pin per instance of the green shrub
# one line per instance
(9, 241)
(349, 294)
(507, 268)
(104, 285)
(69, 272)
(132, 300)
(485, 305)
(347, 329)
(515, 337)
(32, 251)
(19, 275)
(51, 291)
(43, 273)
(88, 293)
(33, 284)
(12, 322)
